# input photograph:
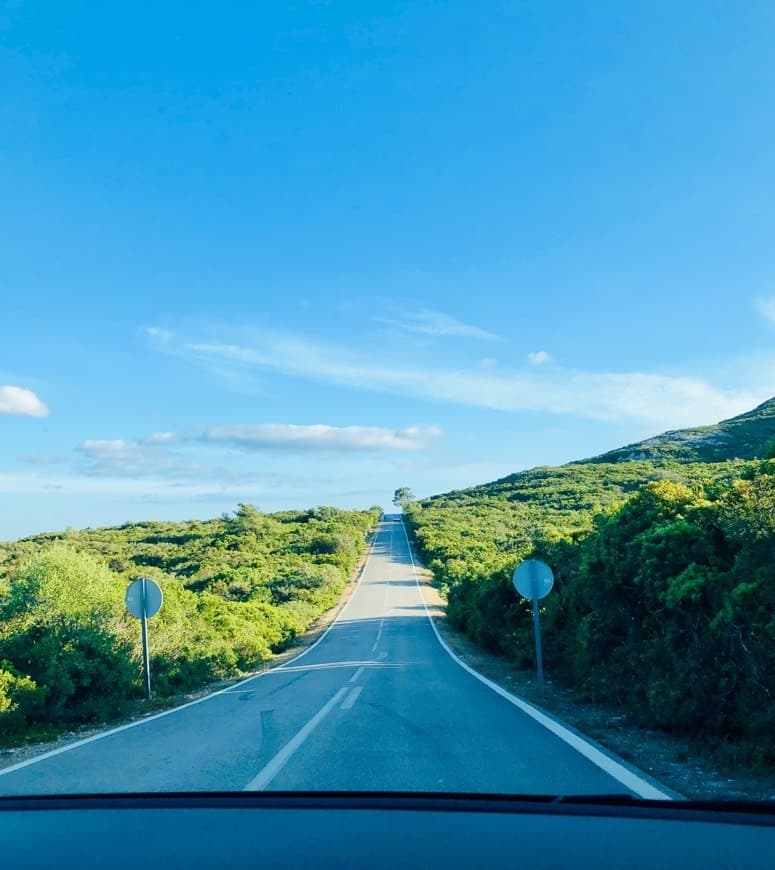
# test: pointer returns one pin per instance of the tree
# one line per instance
(403, 497)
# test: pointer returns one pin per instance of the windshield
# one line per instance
(386, 398)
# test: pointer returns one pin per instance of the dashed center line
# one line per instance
(351, 698)
(357, 674)
(270, 771)
(379, 634)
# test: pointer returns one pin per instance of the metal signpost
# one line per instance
(143, 600)
(534, 579)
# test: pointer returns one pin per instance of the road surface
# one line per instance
(376, 704)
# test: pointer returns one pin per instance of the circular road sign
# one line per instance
(533, 579)
(143, 588)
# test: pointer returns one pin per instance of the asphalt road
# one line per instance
(376, 704)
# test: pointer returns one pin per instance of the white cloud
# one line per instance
(161, 438)
(427, 322)
(667, 401)
(539, 357)
(101, 449)
(21, 403)
(288, 436)
(177, 456)
(766, 307)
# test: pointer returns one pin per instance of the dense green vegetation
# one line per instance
(236, 590)
(665, 594)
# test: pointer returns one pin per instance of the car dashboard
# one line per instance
(376, 830)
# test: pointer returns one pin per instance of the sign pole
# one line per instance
(143, 600)
(539, 658)
(534, 579)
(146, 661)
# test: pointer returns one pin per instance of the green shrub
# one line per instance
(70, 636)
(20, 699)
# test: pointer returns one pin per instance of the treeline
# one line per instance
(664, 600)
(236, 590)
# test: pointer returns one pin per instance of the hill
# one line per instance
(566, 497)
(748, 436)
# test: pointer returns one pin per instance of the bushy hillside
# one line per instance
(665, 595)
(236, 590)
(748, 436)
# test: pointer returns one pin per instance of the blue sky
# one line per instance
(304, 253)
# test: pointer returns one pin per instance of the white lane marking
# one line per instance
(619, 772)
(352, 697)
(379, 634)
(323, 666)
(381, 656)
(357, 674)
(270, 771)
(30, 761)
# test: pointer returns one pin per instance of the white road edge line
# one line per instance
(357, 674)
(59, 751)
(619, 772)
(352, 697)
(270, 770)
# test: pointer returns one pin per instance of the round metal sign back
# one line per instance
(143, 594)
(533, 579)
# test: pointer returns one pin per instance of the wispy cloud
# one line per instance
(21, 403)
(180, 456)
(145, 487)
(658, 399)
(161, 438)
(766, 307)
(158, 334)
(41, 459)
(116, 468)
(428, 322)
(128, 459)
(137, 459)
(287, 436)
(118, 459)
(539, 358)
